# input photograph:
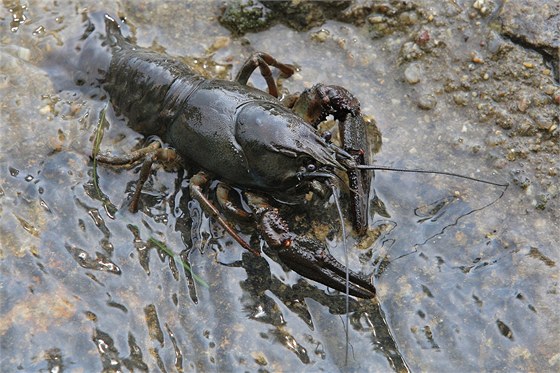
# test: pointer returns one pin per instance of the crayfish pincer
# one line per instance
(241, 136)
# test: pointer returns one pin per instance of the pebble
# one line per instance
(500, 164)
(461, 98)
(219, 69)
(45, 109)
(427, 102)
(221, 42)
(542, 121)
(412, 74)
(481, 6)
(376, 19)
(476, 58)
(549, 89)
(423, 37)
(7, 59)
(478, 4)
(408, 18)
(523, 104)
(411, 51)
(321, 36)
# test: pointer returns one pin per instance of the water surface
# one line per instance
(464, 282)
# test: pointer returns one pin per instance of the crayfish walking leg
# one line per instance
(196, 184)
(263, 61)
(150, 154)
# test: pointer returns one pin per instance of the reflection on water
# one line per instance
(85, 286)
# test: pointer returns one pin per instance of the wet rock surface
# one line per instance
(533, 25)
(466, 280)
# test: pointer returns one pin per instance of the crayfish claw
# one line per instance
(310, 258)
(306, 256)
(320, 101)
(354, 141)
(314, 105)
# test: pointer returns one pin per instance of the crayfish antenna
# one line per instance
(421, 171)
(347, 290)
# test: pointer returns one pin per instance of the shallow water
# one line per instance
(465, 281)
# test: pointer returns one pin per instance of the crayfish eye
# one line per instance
(311, 167)
(327, 136)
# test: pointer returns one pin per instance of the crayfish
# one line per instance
(243, 137)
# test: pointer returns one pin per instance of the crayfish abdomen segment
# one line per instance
(140, 85)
